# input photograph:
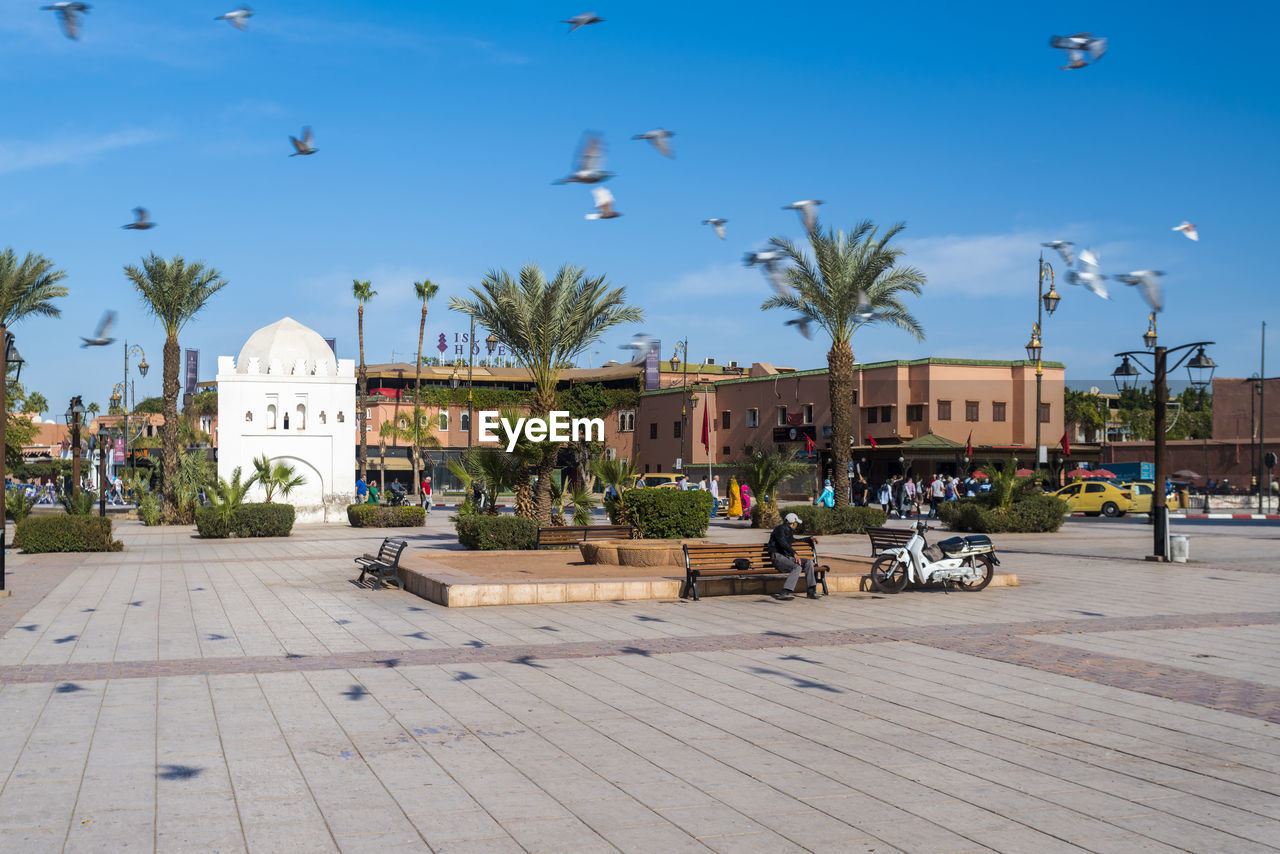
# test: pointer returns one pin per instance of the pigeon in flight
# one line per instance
(584, 20)
(102, 335)
(1089, 276)
(588, 164)
(718, 224)
(1065, 248)
(1077, 46)
(660, 139)
(141, 220)
(238, 19)
(802, 325)
(864, 312)
(808, 212)
(69, 12)
(771, 260)
(303, 146)
(1189, 229)
(1149, 281)
(640, 344)
(604, 204)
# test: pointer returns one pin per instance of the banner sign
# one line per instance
(192, 372)
(794, 434)
(651, 366)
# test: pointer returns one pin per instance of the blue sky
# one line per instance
(440, 130)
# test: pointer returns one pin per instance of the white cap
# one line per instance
(793, 519)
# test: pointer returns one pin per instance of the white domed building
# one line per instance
(287, 396)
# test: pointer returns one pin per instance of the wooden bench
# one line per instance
(885, 537)
(385, 565)
(571, 535)
(714, 559)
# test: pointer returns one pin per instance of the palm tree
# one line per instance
(279, 475)
(545, 324)
(617, 473)
(764, 472)
(35, 402)
(526, 453)
(174, 291)
(425, 291)
(494, 470)
(27, 289)
(420, 433)
(227, 495)
(387, 430)
(93, 408)
(856, 282)
(363, 292)
(582, 500)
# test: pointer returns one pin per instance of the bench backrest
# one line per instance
(889, 535)
(577, 533)
(391, 549)
(705, 556)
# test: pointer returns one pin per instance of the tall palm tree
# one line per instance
(764, 472)
(174, 291)
(852, 280)
(545, 324)
(425, 291)
(363, 292)
(35, 402)
(27, 289)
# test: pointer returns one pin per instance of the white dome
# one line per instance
(286, 347)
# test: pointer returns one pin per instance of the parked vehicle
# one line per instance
(1095, 497)
(660, 480)
(1142, 492)
(968, 562)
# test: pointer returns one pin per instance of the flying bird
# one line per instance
(238, 19)
(588, 163)
(808, 212)
(1189, 229)
(1149, 281)
(718, 224)
(660, 139)
(586, 19)
(802, 325)
(303, 146)
(1065, 248)
(141, 220)
(771, 260)
(1077, 46)
(604, 204)
(864, 312)
(69, 12)
(101, 335)
(1089, 276)
(640, 344)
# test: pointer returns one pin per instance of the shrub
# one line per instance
(838, 520)
(377, 516)
(80, 503)
(668, 514)
(489, 533)
(17, 505)
(1029, 514)
(245, 520)
(149, 509)
(59, 533)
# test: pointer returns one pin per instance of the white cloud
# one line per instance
(976, 264)
(18, 155)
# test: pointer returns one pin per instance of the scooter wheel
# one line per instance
(988, 567)
(888, 575)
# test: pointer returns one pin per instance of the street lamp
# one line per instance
(1125, 376)
(1049, 302)
(1199, 369)
(74, 412)
(491, 343)
(143, 367)
(682, 349)
(10, 356)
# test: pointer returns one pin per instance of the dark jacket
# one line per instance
(782, 539)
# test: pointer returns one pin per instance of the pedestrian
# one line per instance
(745, 491)
(425, 497)
(362, 489)
(910, 489)
(949, 491)
(714, 486)
(477, 496)
(735, 499)
(783, 554)
(828, 496)
(886, 498)
(860, 491)
(702, 485)
(937, 491)
(682, 484)
(373, 494)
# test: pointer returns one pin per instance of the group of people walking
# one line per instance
(902, 495)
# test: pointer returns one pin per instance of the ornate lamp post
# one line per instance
(682, 350)
(491, 343)
(74, 413)
(1200, 373)
(143, 367)
(8, 356)
(1045, 302)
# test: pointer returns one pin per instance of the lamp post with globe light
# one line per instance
(8, 356)
(1045, 302)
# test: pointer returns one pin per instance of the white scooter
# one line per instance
(968, 562)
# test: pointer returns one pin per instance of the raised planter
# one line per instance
(639, 553)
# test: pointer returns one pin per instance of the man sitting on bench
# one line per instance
(784, 558)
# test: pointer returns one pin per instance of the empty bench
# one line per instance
(702, 560)
(882, 538)
(571, 535)
(385, 565)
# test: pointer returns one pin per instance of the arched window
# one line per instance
(271, 416)
(301, 419)
(464, 421)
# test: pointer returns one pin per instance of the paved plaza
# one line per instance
(244, 695)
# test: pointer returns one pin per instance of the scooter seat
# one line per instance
(960, 544)
(978, 540)
(952, 544)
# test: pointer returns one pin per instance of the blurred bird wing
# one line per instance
(590, 154)
(1075, 57)
(719, 227)
(70, 22)
(139, 214)
(1088, 258)
(662, 143)
(298, 144)
(1097, 47)
(237, 19)
(306, 137)
(105, 324)
(603, 199)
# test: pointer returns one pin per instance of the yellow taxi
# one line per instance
(659, 480)
(1141, 493)
(1094, 497)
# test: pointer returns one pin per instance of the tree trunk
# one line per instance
(840, 390)
(526, 507)
(382, 465)
(543, 402)
(169, 431)
(417, 401)
(360, 398)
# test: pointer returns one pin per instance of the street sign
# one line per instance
(850, 468)
(679, 464)
(1044, 454)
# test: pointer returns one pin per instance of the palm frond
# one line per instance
(28, 289)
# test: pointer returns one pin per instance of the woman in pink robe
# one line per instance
(746, 501)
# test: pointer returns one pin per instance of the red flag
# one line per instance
(872, 440)
(968, 448)
(808, 444)
(1066, 446)
(706, 429)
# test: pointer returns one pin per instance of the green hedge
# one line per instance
(377, 516)
(489, 533)
(1030, 514)
(837, 520)
(59, 533)
(668, 514)
(246, 520)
